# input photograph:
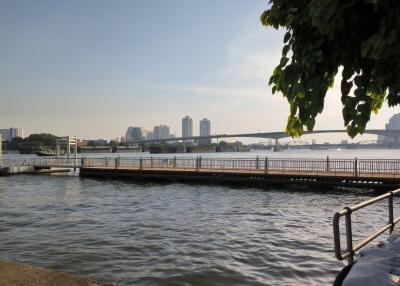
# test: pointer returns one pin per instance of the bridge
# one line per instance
(264, 172)
(269, 135)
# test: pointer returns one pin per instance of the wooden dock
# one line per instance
(263, 172)
(260, 172)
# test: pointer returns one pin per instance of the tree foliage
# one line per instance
(359, 37)
(15, 143)
(40, 140)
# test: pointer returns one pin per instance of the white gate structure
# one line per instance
(67, 142)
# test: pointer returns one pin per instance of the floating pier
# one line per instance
(261, 172)
(371, 173)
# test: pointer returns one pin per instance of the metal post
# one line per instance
(327, 163)
(257, 163)
(76, 152)
(197, 164)
(355, 167)
(141, 164)
(174, 164)
(1, 151)
(58, 148)
(82, 162)
(68, 147)
(116, 163)
(151, 161)
(391, 213)
(349, 236)
(266, 165)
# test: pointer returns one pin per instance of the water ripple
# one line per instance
(149, 234)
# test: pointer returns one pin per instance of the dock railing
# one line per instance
(347, 212)
(293, 166)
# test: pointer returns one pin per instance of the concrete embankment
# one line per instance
(17, 274)
(8, 171)
(16, 170)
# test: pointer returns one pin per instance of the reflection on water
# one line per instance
(173, 234)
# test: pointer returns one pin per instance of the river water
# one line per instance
(179, 234)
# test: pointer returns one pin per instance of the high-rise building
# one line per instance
(161, 132)
(393, 124)
(187, 128)
(137, 133)
(205, 130)
(9, 134)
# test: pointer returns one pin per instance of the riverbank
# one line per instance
(18, 274)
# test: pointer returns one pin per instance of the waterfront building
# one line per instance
(187, 128)
(9, 134)
(393, 124)
(137, 133)
(205, 130)
(161, 132)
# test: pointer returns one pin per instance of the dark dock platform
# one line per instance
(252, 172)
(261, 172)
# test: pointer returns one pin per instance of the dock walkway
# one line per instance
(376, 173)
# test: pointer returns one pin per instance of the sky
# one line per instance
(91, 68)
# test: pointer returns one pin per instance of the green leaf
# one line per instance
(285, 50)
(361, 37)
(310, 124)
(286, 38)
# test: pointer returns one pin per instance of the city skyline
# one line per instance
(51, 78)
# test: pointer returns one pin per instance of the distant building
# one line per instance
(161, 132)
(393, 124)
(205, 130)
(97, 142)
(137, 133)
(187, 128)
(10, 133)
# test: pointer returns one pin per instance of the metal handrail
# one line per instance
(348, 167)
(347, 212)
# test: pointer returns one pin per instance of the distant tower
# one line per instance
(161, 132)
(187, 127)
(393, 124)
(205, 130)
(137, 133)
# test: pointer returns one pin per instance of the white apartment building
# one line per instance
(9, 134)
(205, 130)
(187, 128)
(161, 132)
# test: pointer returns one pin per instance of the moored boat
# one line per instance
(45, 152)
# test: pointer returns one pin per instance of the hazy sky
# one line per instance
(92, 68)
